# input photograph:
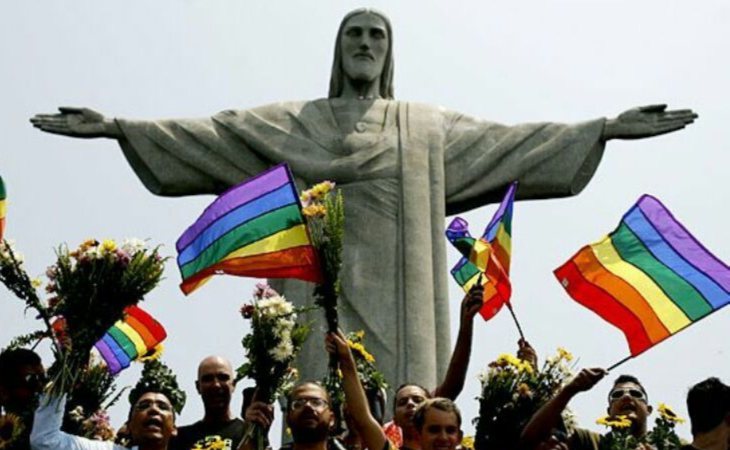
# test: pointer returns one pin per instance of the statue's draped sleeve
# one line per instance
(549, 160)
(206, 156)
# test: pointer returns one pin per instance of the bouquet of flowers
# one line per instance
(373, 381)
(89, 289)
(512, 391)
(620, 437)
(270, 347)
(93, 394)
(324, 211)
(661, 437)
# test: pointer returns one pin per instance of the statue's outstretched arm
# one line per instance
(647, 121)
(77, 122)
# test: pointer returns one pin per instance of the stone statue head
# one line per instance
(339, 69)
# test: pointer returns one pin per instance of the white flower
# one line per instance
(133, 245)
(283, 351)
(77, 414)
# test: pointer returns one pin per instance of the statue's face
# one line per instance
(364, 44)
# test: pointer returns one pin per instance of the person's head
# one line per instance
(22, 378)
(708, 404)
(215, 384)
(407, 398)
(363, 52)
(628, 397)
(151, 419)
(308, 413)
(438, 423)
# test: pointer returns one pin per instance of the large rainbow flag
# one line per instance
(129, 339)
(488, 255)
(3, 208)
(254, 229)
(650, 277)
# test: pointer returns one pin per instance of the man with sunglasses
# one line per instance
(21, 380)
(627, 398)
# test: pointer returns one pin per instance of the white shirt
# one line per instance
(47, 434)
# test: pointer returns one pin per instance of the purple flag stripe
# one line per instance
(683, 242)
(502, 208)
(234, 197)
(108, 355)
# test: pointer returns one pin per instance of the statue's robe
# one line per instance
(403, 168)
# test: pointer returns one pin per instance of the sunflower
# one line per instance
(614, 422)
(11, 427)
(667, 414)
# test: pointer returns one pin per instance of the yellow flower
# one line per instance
(614, 422)
(314, 210)
(108, 246)
(154, 353)
(360, 334)
(467, 442)
(523, 390)
(359, 348)
(564, 354)
(36, 283)
(11, 427)
(669, 415)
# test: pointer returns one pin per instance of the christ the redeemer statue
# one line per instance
(402, 166)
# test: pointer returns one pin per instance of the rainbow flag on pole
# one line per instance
(254, 229)
(129, 339)
(3, 208)
(650, 277)
(488, 255)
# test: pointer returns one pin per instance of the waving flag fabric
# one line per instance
(650, 277)
(129, 339)
(254, 229)
(2, 208)
(488, 255)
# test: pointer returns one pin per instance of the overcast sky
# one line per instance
(509, 62)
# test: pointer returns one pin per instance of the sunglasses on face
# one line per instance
(633, 393)
(315, 403)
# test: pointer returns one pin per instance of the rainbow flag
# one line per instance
(254, 229)
(3, 208)
(650, 277)
(488, 255)
(129, 339)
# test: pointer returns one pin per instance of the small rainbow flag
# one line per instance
(3, 208)
(254, 229)
(650, 277)
(129, 339)
(488, 255)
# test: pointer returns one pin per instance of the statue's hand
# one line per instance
(76, 122)
(647, 121)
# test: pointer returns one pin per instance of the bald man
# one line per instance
(215, 386)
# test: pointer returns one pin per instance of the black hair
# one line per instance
(405, 385)
(708, 403)
(13, 359)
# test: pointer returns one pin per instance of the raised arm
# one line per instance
(647, 121)
(77, 122)
(47, 434)
(368, 428)
(453, 382)
(548, 417)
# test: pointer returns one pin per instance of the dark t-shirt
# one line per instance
(230, 433)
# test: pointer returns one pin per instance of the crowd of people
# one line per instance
(422, 418)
